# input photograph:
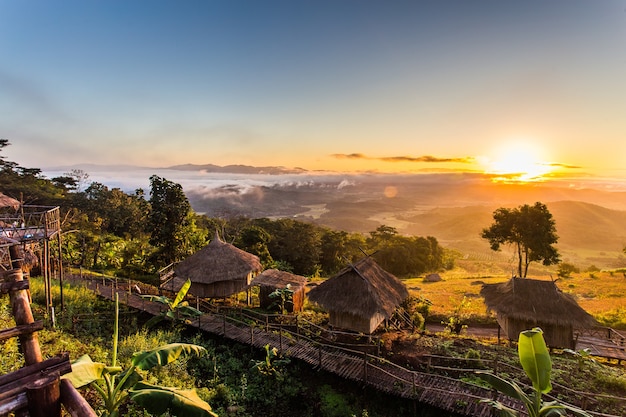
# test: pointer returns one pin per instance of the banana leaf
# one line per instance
(535, 359)
(181, 293)
(165, 354)
(85, 371)
(157, 400)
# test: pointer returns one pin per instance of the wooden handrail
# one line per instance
(21, 330)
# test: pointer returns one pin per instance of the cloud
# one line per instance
(560, 165)
(350, 156)
(404, 158)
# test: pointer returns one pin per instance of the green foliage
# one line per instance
(457, 322)
(171, 222)
(530, 229)
(116, 385)
(535, 359)
(418, 309)
(405, 256)
(333, 403)
(582, 355)
(176, 309)
(566, 270)
(272, 364)
(282, 298)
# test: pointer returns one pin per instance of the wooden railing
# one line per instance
(35, 387)
(29, 223)
(330, 347)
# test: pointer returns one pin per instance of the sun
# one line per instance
(518, 162)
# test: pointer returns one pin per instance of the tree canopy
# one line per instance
(129, 234)
(529, 229)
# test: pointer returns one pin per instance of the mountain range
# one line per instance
(452, 207)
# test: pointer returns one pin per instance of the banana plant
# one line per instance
(116, 385)
(175, 309)
(535, 359)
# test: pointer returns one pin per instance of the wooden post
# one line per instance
(280, 338)
(44, 398)
(61, 272)
(20, 305)
(73, 402)
(251, 334)
(297, 328)
(224, 324)
(365, 367)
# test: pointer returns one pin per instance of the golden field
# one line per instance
(601, 293)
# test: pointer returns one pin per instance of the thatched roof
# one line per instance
(8, 202)
(218, 261)
(279, 279)
(362, 289)
(531, 299)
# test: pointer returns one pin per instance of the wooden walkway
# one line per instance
(445, 393)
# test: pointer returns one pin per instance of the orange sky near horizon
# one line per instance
(534, 88)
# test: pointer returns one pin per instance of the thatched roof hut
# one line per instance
(217, 270)
(360, 296)
(273, 279)
(522, 303)
(8, 202)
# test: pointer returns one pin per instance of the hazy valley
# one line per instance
(454, 208)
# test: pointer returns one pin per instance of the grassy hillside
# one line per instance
(588, 234)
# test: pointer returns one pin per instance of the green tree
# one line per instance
(171, 222)
(28, 185)
(296, 243)
(566, 270)
(530, 229)
(337, 248)
(404, 255)
(254, 239)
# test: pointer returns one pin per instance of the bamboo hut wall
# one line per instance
(356, 323)
(556, 336)
(219, 289)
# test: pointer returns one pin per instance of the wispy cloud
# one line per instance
(560, 165)
(405, 158)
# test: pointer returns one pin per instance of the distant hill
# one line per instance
(452, 207)
(238, 169)
(588, 233)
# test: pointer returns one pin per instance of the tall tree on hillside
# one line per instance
(529, 229)
(171, 222)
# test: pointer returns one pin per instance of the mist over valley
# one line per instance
(452, 207)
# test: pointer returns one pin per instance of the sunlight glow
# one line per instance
(518, 162)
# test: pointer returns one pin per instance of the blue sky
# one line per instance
(330, 85)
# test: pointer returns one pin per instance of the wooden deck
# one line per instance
(449, 394)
